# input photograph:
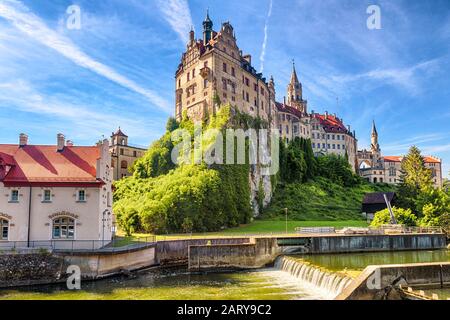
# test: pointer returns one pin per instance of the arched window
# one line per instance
(124, 164)
(4, 229)
(63, 228)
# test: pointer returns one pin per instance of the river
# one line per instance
(287, 280)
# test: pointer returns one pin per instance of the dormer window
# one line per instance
(14, 196)
(47, 196)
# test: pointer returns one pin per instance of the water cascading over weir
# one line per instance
(329, 284)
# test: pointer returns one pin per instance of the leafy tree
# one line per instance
(403, 216)
(434, 205)
(415, 178)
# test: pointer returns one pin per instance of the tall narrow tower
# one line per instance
(375, 147)
(294, 90)
(207, 29)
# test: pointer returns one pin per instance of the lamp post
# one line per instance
(286, 211)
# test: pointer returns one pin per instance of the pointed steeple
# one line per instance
(207, 28)
(294, 90)
(374, 129)
(374, 139)
(294, 78)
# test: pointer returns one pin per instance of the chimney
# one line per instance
(326, 114)
(23, 140)
(192, 36)
(348, 127)
(60, 140)
(248, 58)
(284, 100)
(69, 143)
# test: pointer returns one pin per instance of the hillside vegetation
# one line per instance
(320, 199)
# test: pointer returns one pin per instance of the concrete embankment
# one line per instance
(382, 282)
(40, 267)
(257, 253)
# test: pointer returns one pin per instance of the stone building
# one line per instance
(214, 71)
(55, 192)
(123, 155)
(376, 168)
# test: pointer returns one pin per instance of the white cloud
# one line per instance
(20, 95)
(266, 27)
(178, 15)
(27, 22)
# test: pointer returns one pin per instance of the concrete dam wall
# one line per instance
(363, 243)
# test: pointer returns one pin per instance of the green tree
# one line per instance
(415, 178)
(403, 216)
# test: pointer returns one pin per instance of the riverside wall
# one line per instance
(382, 282)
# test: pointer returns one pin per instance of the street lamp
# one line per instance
(286, 211)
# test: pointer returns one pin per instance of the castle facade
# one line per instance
(376, 168)
(213, 71)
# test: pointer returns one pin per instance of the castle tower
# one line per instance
(207, 29)
(294, 90)
(375, 147)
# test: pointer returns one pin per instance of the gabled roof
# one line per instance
(120, 133)
(38, 164)
(377, 197)
(331, 124)
(288, 109)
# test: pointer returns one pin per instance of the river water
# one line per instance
(298, 277)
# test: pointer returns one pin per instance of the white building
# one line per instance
(60, 192)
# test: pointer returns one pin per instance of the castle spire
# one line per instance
(374, 139)
(207, 28)
(294, 90)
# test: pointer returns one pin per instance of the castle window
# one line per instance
(134, 153)
(247, 97)
(193, 73)
(233, 88)
(233, 72)
(224, 84)
(205, 83)
(14, 196)
(179, 83)
(247, 82)
(47, 196)
(255, 87)
(4, 228)
(63, 228)
(313, 145)
(262, 91)
(287, 129)
(121, 151)
(81, 196)
(339, 146)
(392, 172)
(224, 67)
(334, 146)
(262, 105)
(255, 103)
(188, 76)
(124, 164)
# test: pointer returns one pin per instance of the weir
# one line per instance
(330, 284)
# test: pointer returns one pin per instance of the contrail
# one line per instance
(263, 50)
(30, 24)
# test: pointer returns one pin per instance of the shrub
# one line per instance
(403, 216)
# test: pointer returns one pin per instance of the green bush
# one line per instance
(403, 216)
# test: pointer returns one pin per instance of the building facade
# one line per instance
(123, 155)
(376, 168)
(214, 71)
(55, 193)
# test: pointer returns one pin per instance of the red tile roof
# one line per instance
(330, 123)
(288, 109)
(427, 159)
(35, 164)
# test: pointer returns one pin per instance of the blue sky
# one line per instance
(118, 69)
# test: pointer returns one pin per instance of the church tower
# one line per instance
(294, 92)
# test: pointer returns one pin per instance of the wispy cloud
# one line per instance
(178, 15)
(30, 24)
(21, 96)
(266, 27)
(403, 77)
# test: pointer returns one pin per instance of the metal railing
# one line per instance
(79, 246)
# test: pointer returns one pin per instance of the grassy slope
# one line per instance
(320, 199)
